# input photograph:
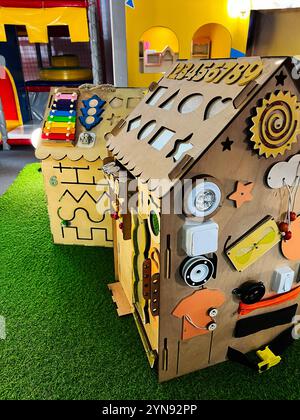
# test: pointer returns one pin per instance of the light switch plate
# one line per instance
(200, 238)
(283, 279)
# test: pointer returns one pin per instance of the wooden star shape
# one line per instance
(280, 78)
(227, 144)
(242, 194)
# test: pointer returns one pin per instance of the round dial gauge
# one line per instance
(204, 198)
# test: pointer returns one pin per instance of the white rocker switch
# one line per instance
(200, 238)
(283, 279)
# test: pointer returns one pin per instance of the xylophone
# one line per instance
(60, 125)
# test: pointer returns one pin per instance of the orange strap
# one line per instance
(245, 309)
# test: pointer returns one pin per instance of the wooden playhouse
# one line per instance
(72, 149)
(208, 255)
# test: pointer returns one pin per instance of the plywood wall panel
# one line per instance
(78, 201)
(242, 163)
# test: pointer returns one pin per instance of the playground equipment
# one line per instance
(38, 17)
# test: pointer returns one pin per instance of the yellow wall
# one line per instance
(182, 17)
(220, 39)
(37, 20)
(160, 38)
(221, 42)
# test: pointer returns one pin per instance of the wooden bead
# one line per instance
(283, 227)
(288, 236)
(115, 216)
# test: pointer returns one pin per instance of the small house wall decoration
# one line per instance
(72, 150)
(206, 283)
(157, 61)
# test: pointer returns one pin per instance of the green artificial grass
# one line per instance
(64, 338)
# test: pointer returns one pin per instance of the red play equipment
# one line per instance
(43, 3)
(10, 103)
(7, 97)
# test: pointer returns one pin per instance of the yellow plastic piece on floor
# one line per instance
(37, 21)
(269, 359)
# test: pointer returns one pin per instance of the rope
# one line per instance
(292, 194)
(189, 319)
(297, 179)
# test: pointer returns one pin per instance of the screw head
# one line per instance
(53, 181)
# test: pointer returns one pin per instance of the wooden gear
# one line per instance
(276, 124)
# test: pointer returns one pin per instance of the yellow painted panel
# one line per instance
(2, 33)
(12, 124)
(254, 244)
(37, 20)
(131, 256)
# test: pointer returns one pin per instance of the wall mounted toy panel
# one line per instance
(137, 257)
(228, 264)
(72, 150)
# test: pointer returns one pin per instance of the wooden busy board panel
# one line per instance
(247, 231)
(95, 118)
(181, 116)
(75, 193)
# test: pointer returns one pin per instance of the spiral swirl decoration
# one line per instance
(276, 124)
